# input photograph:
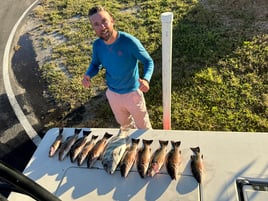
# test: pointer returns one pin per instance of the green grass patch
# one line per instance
(220, 58)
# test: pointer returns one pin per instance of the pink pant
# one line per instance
(129, 109)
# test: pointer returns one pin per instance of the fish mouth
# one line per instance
(109, 167)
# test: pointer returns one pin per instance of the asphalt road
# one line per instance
(16, 147)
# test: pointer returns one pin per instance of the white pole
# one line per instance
(166, 19)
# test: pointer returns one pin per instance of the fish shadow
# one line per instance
(186, 185)
(128, 187)
(186, 182)
(35, 171)
(157, 186)
(84, 183)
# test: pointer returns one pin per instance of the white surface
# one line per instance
(252, 195)
(95, 184)
(227, 156)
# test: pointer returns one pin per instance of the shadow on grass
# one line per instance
(210, 32)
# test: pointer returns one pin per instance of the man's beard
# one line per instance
(107, 35)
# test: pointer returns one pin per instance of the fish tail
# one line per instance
(86, 133)
(147, 142)
(107, 135)
(60, 130)
(135, 140)
(77, 130)
(195, 149)
(94, 137)
(163, 143)
(175, 144)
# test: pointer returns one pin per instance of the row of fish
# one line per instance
(123, 152)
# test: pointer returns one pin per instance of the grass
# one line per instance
(220, 59)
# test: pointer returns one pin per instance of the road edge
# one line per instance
(7, 84)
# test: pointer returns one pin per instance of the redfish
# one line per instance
(158, 159)
(86, 149)
(129, 158)
(197, 165)
(174, 160)
(79, 145)
(56, 144)
(66, 146)
(98, 150)
(144, 156)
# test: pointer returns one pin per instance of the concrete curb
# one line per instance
(7, 84)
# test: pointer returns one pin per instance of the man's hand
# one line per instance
(144, 85)
(86, 81)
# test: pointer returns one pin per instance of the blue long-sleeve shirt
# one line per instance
(120, 60)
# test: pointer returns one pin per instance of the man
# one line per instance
(119, 53)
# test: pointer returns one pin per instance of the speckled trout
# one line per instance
(158, 158)
(68, 143)
(114, 152)
(144, 156)
(174, 160)
(129, 158)
(98, 149)
(86, 149)
(56, 144)
(79, 145)
(197, 164)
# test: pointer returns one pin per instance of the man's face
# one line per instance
(103, 24)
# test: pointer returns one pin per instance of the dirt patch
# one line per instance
(256, 11)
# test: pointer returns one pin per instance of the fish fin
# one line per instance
(176, 143)
(147, 142)
(163, 142)
(135, 140)
(94, 137)
(107, 135)
(60, 130)
(195, 149)
(77, 130)
(86, 133)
